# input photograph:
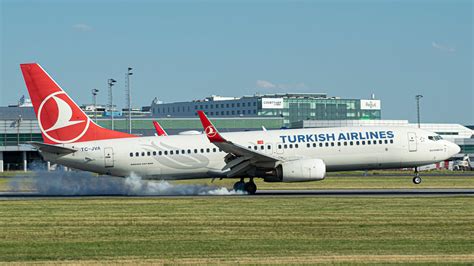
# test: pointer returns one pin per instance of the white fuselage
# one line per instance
(193, 156)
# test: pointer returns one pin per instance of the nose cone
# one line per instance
(454, 149)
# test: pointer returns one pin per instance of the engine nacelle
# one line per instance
(301, 170)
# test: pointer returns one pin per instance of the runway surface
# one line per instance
(273, 193)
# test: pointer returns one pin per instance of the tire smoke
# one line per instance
(87, 184)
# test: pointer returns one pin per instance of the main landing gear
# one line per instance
(417, 178)
(248, 187)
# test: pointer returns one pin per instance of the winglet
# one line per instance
(210, 130)
(159, 129)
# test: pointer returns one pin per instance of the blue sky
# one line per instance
(184, 50)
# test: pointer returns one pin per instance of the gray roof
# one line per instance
(12, 113)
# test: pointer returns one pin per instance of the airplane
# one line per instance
(72, 139)
(159, 130)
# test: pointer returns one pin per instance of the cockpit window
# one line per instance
(435, 138)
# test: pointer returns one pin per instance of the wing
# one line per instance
(239, 159)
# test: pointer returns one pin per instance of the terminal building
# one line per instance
(292, 107)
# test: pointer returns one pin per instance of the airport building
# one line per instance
(292, 107)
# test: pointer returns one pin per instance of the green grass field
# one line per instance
(241, 229)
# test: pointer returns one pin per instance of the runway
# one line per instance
(271, 193)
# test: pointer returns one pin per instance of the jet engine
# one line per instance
(301, 170)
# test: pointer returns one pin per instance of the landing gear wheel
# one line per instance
(417, 180)
(250, 187)
(239, 186)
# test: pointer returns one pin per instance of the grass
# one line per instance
(238, 229)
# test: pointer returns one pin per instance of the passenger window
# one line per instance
(137, 154)
(291, 146)
(369, 142)
(391, 141)
(143, 153)
(250, 147)
(183, 152)
(363, 142)
(338, 144)
(131, 154)
(213, 149)
(296, 146)
(202, 150)
(148, 153)
(195, 151)
(308, 145)
(159, 153)
(314, 145)
(332, 144)
(269, 147)
(285, 146)
(154, 153)
(345, 143)
(189, 151)
(171, 152)
(279, 146)
(166, 152)
(386, 141)
(255, 147)
(208, 150)
(262, 147)
(320, 144)
(351, 143)
(357, 142)
(326, 144)
(177, 151)
(380, 141)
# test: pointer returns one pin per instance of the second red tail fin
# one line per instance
(159, 130)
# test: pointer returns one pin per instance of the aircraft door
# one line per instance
(108, 157)
(412, 142)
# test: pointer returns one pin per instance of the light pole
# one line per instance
(94, 102)
(129, 99)
(418, 97)
(111, 102)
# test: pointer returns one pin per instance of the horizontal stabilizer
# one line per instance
(51, 148)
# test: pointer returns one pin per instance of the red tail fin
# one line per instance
(159, 130)
(59, 118)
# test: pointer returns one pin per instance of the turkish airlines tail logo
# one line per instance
(60, 118)
(64, 115)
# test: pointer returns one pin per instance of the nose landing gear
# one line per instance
(249, 187)
(417, 179)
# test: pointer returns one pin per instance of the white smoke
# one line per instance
(83, 184)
